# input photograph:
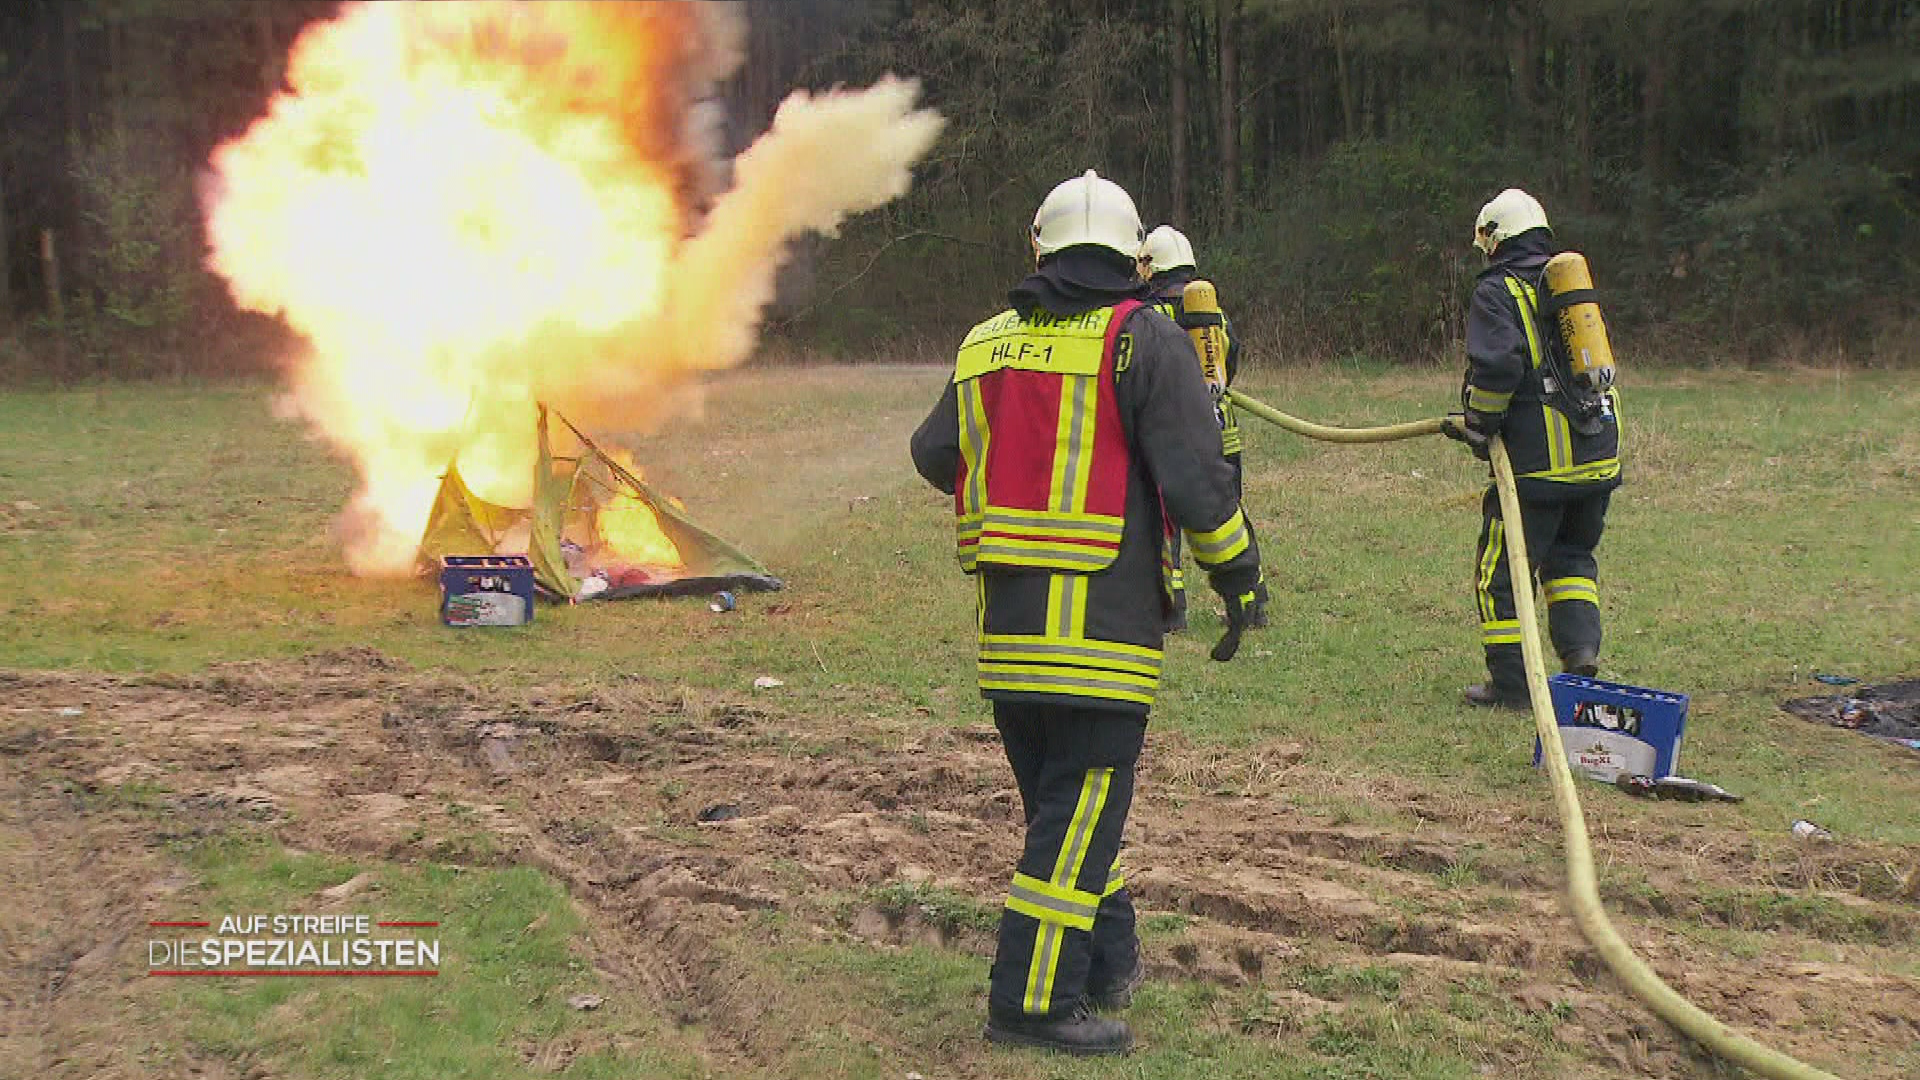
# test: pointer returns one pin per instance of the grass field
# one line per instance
(1344, 872)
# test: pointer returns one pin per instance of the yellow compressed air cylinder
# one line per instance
(1581, 327)
(1200, 316)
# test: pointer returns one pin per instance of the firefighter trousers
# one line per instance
(1068, 926)
(1561, 537)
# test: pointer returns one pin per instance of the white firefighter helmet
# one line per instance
(1167, 248)
(1088, 210)
(1505, 216)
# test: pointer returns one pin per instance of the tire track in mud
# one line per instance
(606, 788)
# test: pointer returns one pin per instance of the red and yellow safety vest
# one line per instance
(1044, 455)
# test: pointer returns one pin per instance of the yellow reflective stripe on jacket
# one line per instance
(1500, 632)
(1068, 345)
(974, 439)
(1050, 903)
(1066, 649)
(1062, 679)
(1066, 615)
(1073, 460)
(1561, 590)
(1523, 295)
(1222, 545)
(1590, 472)
(1044, 554)
(1487, 401)
(1065, 526)
(1070, 681)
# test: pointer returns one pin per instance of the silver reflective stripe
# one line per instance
(1010, 653)
(990, 678)
(1071, 487)
(1066, 909)
(1093, 802)
(1068, 587)
(974, 439)
(1238, 536)
(1095, 559)
(1046, 521)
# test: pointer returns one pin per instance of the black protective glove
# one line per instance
(1239, 591)
(1476, 429)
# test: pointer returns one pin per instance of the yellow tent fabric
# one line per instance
(567, 492)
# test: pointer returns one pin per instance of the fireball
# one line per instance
(469, 207)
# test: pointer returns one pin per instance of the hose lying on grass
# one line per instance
(1582, 886)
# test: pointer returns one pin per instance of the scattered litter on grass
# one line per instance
(585, 1002)
(1807, 830)
(1890, 711)
(767, 682)
(722, 602)
(1682, 788)
(1836, 680)
(720, 812)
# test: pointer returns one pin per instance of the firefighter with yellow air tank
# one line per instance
(1540, 375)
(1173, 278)
(1075, 422)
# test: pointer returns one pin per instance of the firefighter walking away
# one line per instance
(1072, 418)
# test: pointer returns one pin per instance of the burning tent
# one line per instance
(594, 529)
(468, 207)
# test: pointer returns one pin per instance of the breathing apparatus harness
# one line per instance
(1577, 357)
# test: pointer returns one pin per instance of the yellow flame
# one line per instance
(630, 530)
(470, 206)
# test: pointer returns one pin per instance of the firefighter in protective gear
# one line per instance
(1074, 420)
(1169, 263)
(1564, 443)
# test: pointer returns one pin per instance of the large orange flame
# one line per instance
(470, 206)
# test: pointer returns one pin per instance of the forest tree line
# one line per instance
(1744, 175)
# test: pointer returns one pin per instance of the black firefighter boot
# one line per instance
(1488, 696)
(1581, 662)
(1079, 1033)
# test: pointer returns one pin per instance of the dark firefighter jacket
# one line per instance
(1090, 638)
(1505, 388)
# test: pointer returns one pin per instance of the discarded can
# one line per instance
(722, 601)
(1807, 830)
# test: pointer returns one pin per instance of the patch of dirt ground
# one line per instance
(674, 819)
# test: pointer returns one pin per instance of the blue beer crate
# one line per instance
(486, 590)
(1610, 728)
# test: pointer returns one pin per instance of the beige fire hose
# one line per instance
(1582, 889)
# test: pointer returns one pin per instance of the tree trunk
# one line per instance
(1582, 94)
(1653, 149)
(1229, 112)
(1178, 127)
(1521, 70)
(6, 276)
(1349, 108)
